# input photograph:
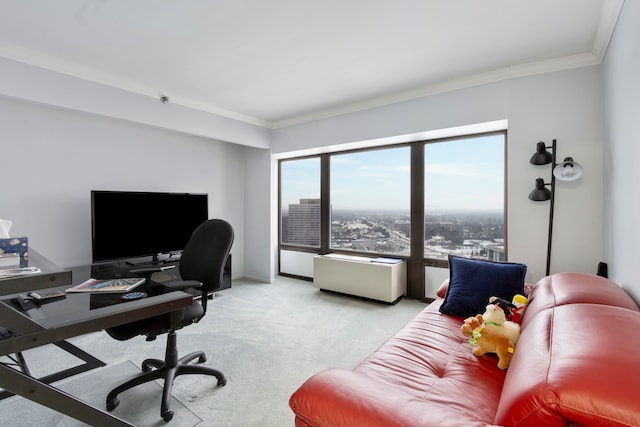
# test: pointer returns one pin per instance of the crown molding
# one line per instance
(57, 65)
(522, 70)
(608, 19)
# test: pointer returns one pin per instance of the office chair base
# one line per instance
(168, 370)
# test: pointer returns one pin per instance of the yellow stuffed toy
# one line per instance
(485, 339)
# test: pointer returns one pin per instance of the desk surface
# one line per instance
(81, 313)
(76, 314)
(51, 275)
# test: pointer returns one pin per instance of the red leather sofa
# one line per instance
(577, 363)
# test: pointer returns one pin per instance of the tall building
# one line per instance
(304, 222)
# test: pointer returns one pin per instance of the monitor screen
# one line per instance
(128, 224)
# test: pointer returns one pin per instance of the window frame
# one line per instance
(416, 260)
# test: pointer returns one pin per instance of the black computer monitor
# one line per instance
(133, 224)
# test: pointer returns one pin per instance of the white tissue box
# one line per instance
(9, 260)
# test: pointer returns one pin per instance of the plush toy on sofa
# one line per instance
(495, 319)
(487, 340)
(513, 310)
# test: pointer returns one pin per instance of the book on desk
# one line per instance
(120, 285)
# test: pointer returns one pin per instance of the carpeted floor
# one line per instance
(266, 338)
(92, 387)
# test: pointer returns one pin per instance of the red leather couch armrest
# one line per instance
(575, 364)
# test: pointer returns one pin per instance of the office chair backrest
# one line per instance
(205, 255)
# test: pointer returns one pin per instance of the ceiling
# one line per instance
(279, 62)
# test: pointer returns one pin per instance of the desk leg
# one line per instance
(90, 363)
(44, 394)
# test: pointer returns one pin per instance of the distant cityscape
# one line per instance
(471, 234)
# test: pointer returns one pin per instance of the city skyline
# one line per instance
(472, 234)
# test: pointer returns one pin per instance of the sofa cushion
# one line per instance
(574, 288)
(423, 376)
(574, 364)
(472, 282)
(443, 288)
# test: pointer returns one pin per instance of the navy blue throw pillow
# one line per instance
(472, 282)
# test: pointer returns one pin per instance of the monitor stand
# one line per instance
(155, 260)
(143, 262)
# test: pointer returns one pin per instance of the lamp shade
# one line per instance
(541, 156)
(540, 193)
(568, 170)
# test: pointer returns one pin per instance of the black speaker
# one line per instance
(603, 270)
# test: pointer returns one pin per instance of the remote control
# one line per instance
(41, 295)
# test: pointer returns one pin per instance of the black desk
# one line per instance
(74, 315)
(50, 275)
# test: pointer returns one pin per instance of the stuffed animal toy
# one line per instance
(520, 302)
(514, 309)
(495, 320)
(505, 305)
(486, 340)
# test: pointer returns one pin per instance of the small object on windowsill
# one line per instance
(384, 260)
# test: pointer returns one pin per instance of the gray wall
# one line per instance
(565, 105)
(622, 150)
(53, 157)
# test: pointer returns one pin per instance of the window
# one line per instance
(370, 201)
(420, 201)
(300, 202)
(464, 198)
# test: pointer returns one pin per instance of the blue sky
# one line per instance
(460, 174)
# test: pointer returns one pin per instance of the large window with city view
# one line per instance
(464, 198)
(300, 202)
(369, 199)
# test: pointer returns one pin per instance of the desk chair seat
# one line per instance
(202, 260)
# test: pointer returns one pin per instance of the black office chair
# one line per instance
(202, 260)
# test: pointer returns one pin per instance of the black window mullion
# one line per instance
(415, 264)
(325, 204)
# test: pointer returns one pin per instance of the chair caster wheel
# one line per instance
(167, 416)
(146, 368)
(222, 382)
(113, 404)
(202, 359)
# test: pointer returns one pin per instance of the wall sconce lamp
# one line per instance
(568, 170)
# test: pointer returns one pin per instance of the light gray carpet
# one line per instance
(139, 407)
(267, 338)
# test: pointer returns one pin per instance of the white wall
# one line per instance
(566, 105)
(27, 82)
(258, 216)
(59, 155)
(52, 157)
(622, 150)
